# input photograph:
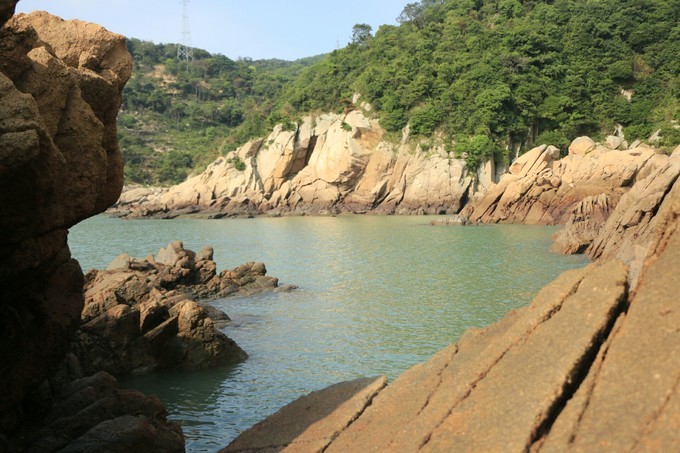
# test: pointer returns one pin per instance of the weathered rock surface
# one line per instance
(543, 189)
(586, 220)
(592, 364)
(92, 414)
(306, 424)
(643, 211)
(140, 315)
(601, 231)
(59, 164)
(331, 163)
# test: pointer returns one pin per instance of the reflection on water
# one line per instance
(378, 294)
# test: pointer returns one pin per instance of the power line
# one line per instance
(184, 51)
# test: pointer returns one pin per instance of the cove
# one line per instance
(377, 295)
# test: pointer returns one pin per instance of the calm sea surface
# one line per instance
(377, 295)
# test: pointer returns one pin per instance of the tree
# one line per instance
(361, 33)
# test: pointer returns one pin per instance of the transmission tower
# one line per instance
(184, 52)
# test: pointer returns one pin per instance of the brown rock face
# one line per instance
(584, 224)
(7, 10)
(59, 164)
(540, 189)
(140, 314)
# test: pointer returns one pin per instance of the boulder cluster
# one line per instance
(141, 315)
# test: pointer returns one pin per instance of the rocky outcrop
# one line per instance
(330, 163)
(649, 207)
(59, 164)
(141, 315)
(601, 231)
(93, 414)
(590, 365)
(543, 189)
(585, 222)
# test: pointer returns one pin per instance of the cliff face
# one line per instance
(60, 91)
(331, 163)
(541, 188)
(592, 364)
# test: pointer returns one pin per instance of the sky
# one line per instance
(258, 29)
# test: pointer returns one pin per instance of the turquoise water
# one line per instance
(377, 295)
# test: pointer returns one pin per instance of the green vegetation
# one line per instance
(178, 117)
(494, 76)
(238, 163)
(501, 74)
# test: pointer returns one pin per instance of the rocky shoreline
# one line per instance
(591, 364)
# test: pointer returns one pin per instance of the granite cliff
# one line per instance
(329, 164)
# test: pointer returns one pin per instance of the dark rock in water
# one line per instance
(286, 288)
(93, 414)
(140, 315)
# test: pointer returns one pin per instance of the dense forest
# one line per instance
(487, 77)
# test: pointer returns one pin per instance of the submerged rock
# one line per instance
(457, 219)
(140, 315)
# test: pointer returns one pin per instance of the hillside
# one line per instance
(177, 116)
(484, 78)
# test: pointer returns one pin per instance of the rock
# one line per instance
(121, 262)
(581, 146)
(142, 317)
(320, 168)
(452, 220)
(585, 222)
(614, 142)
(59, 151)
(540, 190)
(297, 427)
(629, 399)
(650, 206)
(92, 414)
(655, 137)
(6, 10)
(527, 161)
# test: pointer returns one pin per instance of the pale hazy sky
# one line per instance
(287, 29)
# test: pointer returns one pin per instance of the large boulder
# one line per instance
(59, 164)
